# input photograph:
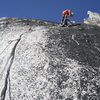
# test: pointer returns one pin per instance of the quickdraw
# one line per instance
(9, 42)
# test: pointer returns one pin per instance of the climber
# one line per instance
(66, 14)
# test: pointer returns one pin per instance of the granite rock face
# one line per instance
(94, 18)
(39, 60)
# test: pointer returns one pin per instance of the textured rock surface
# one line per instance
(44, 61)
(94, 18)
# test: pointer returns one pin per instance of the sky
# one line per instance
(48, 9)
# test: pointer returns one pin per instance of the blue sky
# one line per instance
(47, 9)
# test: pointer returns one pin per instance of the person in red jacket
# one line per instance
(66, 14)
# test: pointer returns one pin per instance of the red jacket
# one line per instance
(66, 12)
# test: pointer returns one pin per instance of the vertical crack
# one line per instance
(73, 38)
(7, 78)
(9, 88)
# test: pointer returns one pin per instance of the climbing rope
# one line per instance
(10, 41)
(4, 49)
(11, 58)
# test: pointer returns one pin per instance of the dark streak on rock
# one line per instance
(11, 58)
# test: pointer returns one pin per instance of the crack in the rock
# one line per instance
(7, 79)
(73, 38)
(97, 48)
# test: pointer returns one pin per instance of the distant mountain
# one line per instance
(40, 60)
